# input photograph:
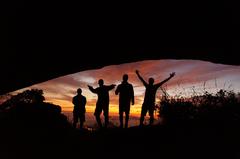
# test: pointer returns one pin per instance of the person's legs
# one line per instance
(121, 109)
(141, 120)
(98, 119)
(126, 119)
(105, 110)
(75, 119)
(143, 114)
(127, 111)
(106, 120)
(81, 125)
(121, 119)
(82, 120)
(151, 111)
(97, 114)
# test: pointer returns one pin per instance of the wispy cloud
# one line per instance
(188, 73)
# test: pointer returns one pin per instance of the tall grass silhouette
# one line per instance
(200, 107)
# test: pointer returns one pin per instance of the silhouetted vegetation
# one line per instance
(222, 107)
(29, 123)
(32, 128)
(28, 109)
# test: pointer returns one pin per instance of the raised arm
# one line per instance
(92, 89)
(110, 87)
(140, 77)
(164, 81)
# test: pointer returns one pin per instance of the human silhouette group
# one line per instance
(126, 98)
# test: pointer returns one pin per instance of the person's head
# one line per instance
(151, 81)
(125, 77)
(100, 82)
(79, 91)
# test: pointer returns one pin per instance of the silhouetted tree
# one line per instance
(28, 108)
(33, 96)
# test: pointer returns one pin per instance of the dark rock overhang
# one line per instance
(48, 40)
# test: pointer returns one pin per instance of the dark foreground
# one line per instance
(185, 141)
(31, 128)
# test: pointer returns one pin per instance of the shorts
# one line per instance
(124, 108)
(99, 110)
(147, 108)
(79, 115)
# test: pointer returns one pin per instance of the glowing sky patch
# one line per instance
(84, 79)
(191, 75)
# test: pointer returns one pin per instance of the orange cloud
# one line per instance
(189, 73)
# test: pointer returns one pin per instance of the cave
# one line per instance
(50, 39)
(40, 41)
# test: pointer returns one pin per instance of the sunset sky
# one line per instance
(190, 74)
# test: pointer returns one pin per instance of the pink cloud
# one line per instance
(188, 72)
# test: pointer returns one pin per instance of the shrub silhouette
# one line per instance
(28, 109)
(33, 96)
(222, 107)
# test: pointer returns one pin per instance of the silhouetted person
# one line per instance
(149, 98)
(79, 110)
(126, 96)
(102, 102)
